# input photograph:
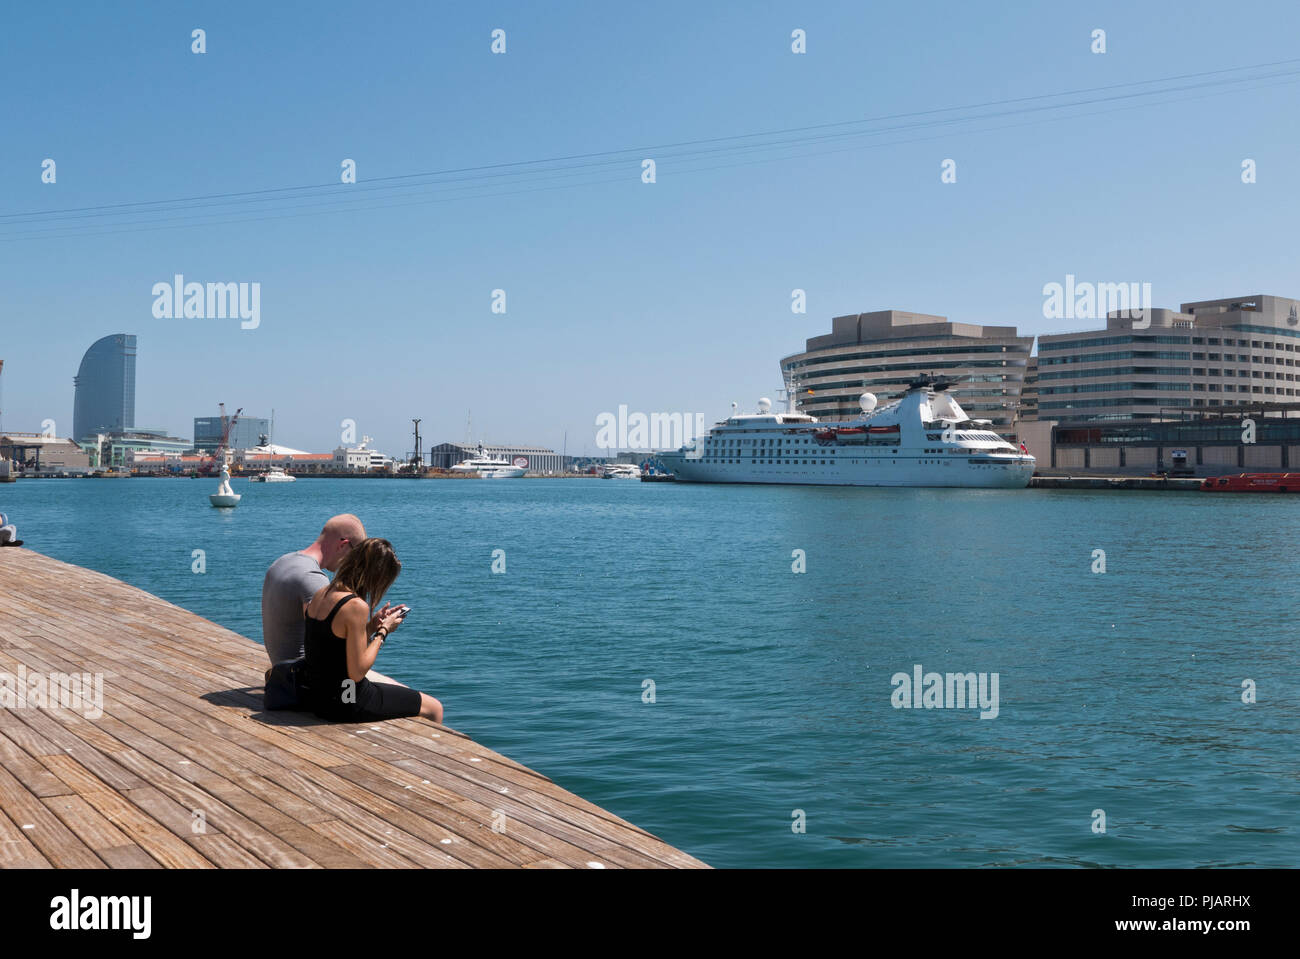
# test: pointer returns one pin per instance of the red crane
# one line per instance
(209, 463)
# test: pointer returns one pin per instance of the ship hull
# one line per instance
(896, 471)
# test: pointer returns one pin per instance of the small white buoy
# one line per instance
(595, 865)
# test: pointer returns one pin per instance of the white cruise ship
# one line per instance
(923, 438)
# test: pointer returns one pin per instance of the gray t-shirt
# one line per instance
(292, 580)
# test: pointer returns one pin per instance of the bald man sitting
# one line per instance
(293, 580)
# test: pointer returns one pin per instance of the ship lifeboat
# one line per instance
(1253, 483)
(855, 435)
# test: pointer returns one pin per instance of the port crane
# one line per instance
(208, 463)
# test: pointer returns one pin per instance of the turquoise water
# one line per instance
(1118, 691)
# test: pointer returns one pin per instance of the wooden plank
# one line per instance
(16, 850)
(86, 821)
(129, 857)
(145, 832)
(43, 829)
(588, 845)
(29, 771)
(364, 847)
(372, 816)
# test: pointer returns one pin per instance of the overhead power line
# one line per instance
(525, 176)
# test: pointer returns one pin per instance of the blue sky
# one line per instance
(672, 296)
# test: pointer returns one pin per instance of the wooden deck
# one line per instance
(185, 769)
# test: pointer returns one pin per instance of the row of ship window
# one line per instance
(870, 461)
(772, 442)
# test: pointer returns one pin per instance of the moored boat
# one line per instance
(620, 471)
(488, 467)
(1253, 483)
(275, 474)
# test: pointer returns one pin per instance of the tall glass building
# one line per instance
(247, 432)
(105, 388)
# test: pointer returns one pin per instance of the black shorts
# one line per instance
(374, 701)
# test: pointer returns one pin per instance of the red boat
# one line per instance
(1253, 483)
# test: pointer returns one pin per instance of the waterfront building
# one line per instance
(1029, 393)
(301, 463)
(104, 396)
(536, 459)
(258, 459)
(118, 447)
(882, 352)
(1209, 442)
(1133, 396)
(245, 434)
(1240, 351)
(148, 461)
(41, 453)
(361, 459)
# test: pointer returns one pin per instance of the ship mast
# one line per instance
(789, 390)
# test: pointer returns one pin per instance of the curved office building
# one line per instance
(105, 388)
(882, 352)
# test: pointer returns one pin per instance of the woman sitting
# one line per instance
(339, 651)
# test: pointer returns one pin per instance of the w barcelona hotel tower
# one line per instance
(105, 388)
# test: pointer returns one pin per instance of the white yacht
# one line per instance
(274, 474)
(620, 471)
(489, 468)
(922, 438)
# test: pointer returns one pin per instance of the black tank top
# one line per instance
(327, 658)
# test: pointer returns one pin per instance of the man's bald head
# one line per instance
(339, 535)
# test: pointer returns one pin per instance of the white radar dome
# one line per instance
(764, 404)
(867, 401)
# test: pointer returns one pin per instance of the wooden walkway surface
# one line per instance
(185, 769)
